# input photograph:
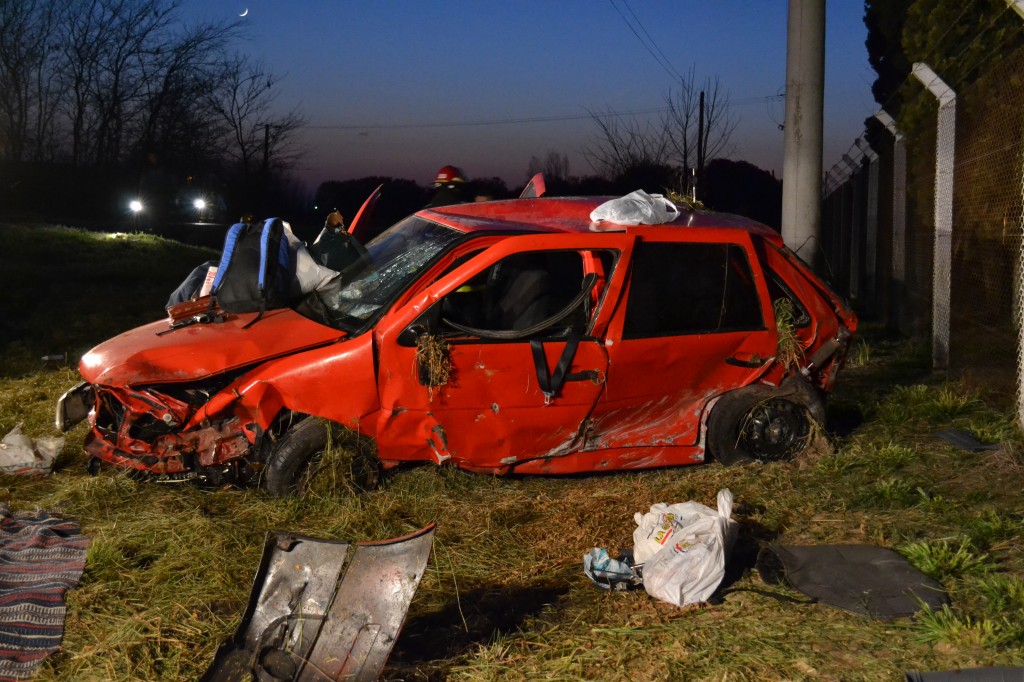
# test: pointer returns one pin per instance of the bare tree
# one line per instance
(101, 82)
(258, 137)
(80, 37)
(687, 134)
(108, 47)
(555, 166)
(134, 33)
(699, 123)
(179, 80)
(131, 77)
(623, 143)
(27, 93)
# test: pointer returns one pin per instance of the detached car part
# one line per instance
(311, 618)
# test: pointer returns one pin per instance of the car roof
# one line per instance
(572, 214)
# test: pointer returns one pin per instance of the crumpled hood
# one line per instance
(145, 356)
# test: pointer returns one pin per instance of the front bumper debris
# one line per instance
(307, 622)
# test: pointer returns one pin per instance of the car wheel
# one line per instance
(758, 423)
(298, 458)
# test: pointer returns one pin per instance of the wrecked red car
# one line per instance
(501, 337)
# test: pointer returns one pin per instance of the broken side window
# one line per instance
(777, 289)
(522, 291)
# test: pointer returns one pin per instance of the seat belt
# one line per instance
(551, 383)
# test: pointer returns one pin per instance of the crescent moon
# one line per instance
(245, 12)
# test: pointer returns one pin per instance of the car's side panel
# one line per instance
(614, 459)
(491, 413)
(831, 319)
(659, 387)
(336, 382)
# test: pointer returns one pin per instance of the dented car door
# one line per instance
(695, 322)
(516, 384)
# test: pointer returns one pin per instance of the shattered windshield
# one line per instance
(394, 260)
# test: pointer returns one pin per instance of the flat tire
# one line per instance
(297, 456)
(758, 423)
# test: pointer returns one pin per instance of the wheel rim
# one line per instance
(775, 429)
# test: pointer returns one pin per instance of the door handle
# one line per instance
(749, 360)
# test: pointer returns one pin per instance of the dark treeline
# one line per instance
(96, 95)
(104, 101)
(730, 186)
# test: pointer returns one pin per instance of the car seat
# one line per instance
(525, 300)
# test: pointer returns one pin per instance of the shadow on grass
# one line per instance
(843, 418)
(750, 537)
(429, 642)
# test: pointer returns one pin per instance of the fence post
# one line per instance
(899, 222)
(1018, 7)
(856, 227)
(945, 157)
(871, 232)
(835, 193)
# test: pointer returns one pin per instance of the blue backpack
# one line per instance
(256, 268)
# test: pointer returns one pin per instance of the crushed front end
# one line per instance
(155, 429)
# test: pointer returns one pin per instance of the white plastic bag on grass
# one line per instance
(20, 454)
(636, 208)
(657, 527)
(693, 540)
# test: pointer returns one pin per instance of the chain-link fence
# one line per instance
(922, 226)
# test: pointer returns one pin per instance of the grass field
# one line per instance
(504, 597)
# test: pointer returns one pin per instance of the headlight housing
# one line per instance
(74, 406)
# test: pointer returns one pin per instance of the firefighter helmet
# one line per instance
(448, 175)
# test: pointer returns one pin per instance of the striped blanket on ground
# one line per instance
(41, 557)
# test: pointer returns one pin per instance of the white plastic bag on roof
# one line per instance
(636, 208)
(682, 548)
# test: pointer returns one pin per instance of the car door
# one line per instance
(696, 323)
(484, 405)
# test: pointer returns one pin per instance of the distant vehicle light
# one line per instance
(200, 204)
(135, 205)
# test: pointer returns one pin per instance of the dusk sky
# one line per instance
(400, 88)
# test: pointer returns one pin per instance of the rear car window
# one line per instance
(680, 288)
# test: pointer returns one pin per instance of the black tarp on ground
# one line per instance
(864, 579)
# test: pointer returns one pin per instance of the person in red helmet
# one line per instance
(450, 187)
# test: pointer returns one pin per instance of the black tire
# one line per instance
(758, 423)
(296, 458)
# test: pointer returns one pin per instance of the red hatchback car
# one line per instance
(501, 337)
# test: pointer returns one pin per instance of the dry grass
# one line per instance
(504, 596)
(434, 361)
(790, 349)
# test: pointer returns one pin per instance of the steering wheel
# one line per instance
(514, 334)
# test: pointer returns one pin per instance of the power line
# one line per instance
(665, 62)
(482, 122)
(527, 119)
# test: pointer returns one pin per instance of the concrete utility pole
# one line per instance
(805, 95)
